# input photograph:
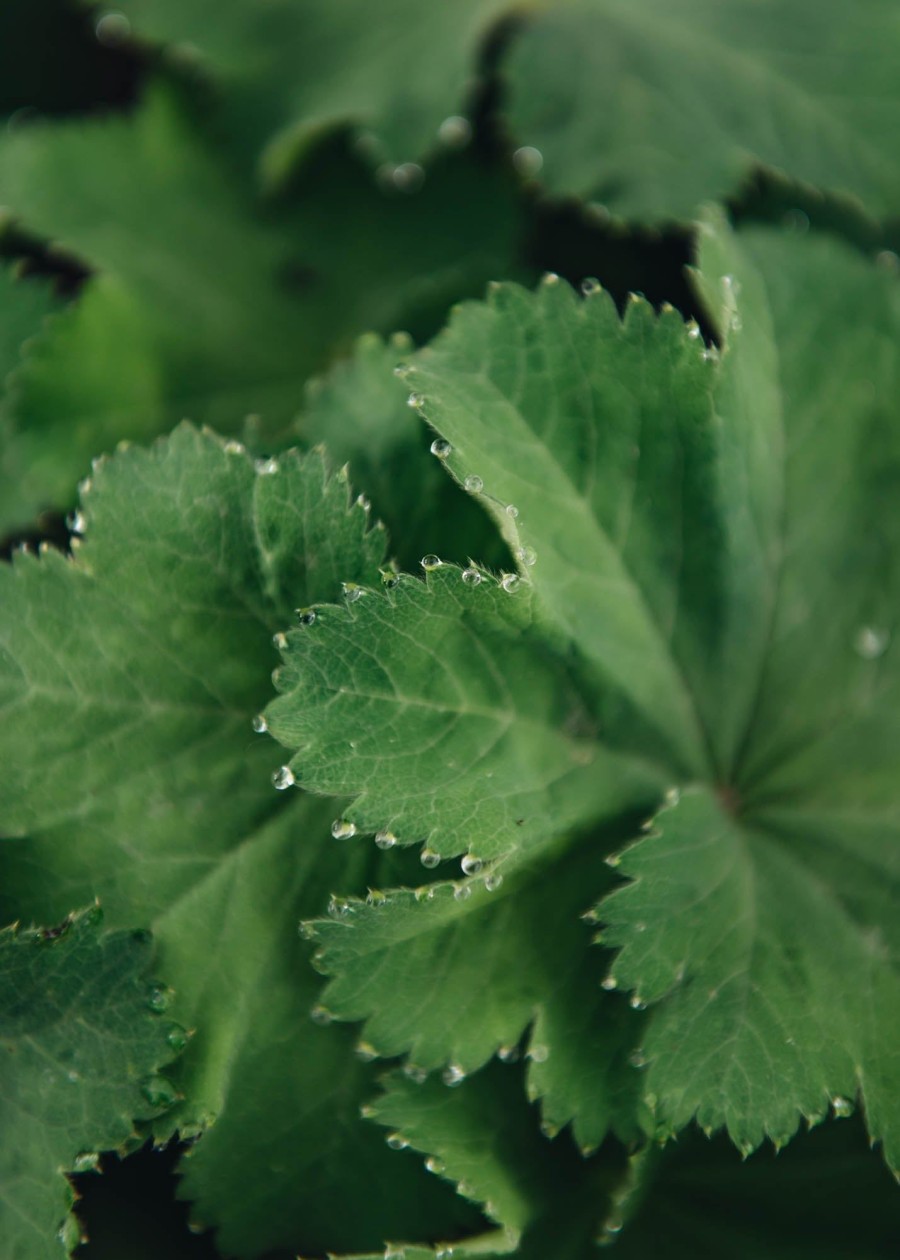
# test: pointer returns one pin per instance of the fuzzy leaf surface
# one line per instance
(441, 709)
(81, 1052)
(473, 972)
(652, 108)
(127, 687)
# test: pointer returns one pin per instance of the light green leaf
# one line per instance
(461, 972)
(607, 450)
(212, 304)
(82, 1047)
(128, 678)
(292, 69)
(653, 107)
(441, 708)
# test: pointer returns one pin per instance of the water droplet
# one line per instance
(159, 999)
(259, 724)
(283, 778)
(455, 132)
(112, 29)
(508, 1054)
(266, 467)
(538, 1053)
(76, 522)
(341, 829)
(443, 1253)
(640, 927)
(414, 1073)
(366, 1051)
(613, 860)
(69, 1234)
(473, 484)
(637, 1059)
(415, 400)
(394, 1253)
(306, 616)
(796, 221)
(509, 581)
(591, 285)
(470, 864)
(375, 897)
(637, 1003)
(233, 447)
(453, 1075)
(177, 1038)
(871, 642)
(402, 370)
(609, 983)
(351, 592)
(408, 177)
(86, 1161)
(493, 881)
(434, 1165)
(429, 858)
(441, 448)
(672, 796)
(527, 555)
(528, 160)
(430, 562)
(397, 1142)
(471, 577)
(842, 1107)
(159, 1092)
(385, 839)
(363, 502)
(462, 892)
(321, 1015)
(279, 641)
(887, 260)
(512, 510)
(693, 330)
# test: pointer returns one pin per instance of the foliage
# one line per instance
(532, 652)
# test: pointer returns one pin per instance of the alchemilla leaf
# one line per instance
(651, 107)
(128, 689)
(84, 1046)
(706, 540)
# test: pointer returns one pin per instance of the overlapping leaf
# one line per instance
(210, 304)
(128, 678)
(291, 70)
(652, 107)
(712, 535)
(82, 1048)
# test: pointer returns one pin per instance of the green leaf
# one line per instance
(291, 70)
(212, 304)
(712, 533)
(653, 107)
(128, 678)
(439, 706)
(360, 413)
(461, 972)
(776, 954)
(483, 1137)
(83, 1044)
(599, 445)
